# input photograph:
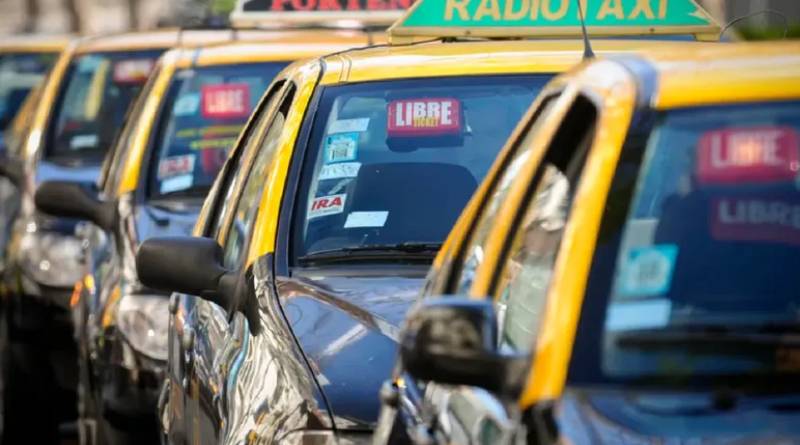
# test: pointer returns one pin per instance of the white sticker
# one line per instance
(648, 270)
(366, 219)
(638, 314)
(337, 171)
(327, 205)
(176, 183)
(83, 141)
(341, 148)
(187, 105)
(349, 125)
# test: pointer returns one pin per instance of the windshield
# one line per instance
(699, 281)
(395, 162)
(94, 99)
(19, 74)
(206, 109)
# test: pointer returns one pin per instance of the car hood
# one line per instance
(51, 171)
(347, 323)
(612, 417)
(173, 219)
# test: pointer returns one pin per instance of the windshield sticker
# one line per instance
(187, 105)
(226, 101)
(214, 130)
(756, 219)
(424, 117)
(341, 147)
(349, 126)
(648, 270)
(761, 154)
(83, 141)
(327, 205)
(176, 183)
(366, 219)
(207, 144)
(133, 71)
(175, 165)
(338, 171)
(638, 314)
(212, 160)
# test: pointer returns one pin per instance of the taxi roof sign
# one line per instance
(552, 18)
(254, 13)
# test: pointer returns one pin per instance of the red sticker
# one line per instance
(175, 165)
(762, 154)
(424, 117)
(756, 219)
(133, 71)
(212, 160)
(327, 205)
(226, 101)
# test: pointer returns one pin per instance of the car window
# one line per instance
(535, 239)
(394, 162)
(246, 210)
(234, 172)
(93, 101)
(205, 111)
(474, 251)
(694, 277)
(19, 74)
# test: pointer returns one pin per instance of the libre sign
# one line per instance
(270, 11)
(553, 17)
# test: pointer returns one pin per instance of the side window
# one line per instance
(535, 237)
(233, 173)
(474, 251)
(244, 214)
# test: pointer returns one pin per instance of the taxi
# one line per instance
(154, 180)
(626, 272)
(81, 106)
(320, 228)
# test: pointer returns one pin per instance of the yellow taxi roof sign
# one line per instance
(552, 18)
(256, 13)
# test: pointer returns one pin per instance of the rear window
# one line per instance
(19, 74)
(96, 93)
(395, 162)
(205, 110)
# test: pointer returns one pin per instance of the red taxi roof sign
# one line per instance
(748, 155)
(552, 18)
(325, 12)
(225, 101)
(433, 116)
(134, 71)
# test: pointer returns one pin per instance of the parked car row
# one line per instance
(501, 223)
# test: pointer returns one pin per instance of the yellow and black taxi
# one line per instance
(318, 233)
(626, 274)
(154, 180)
(82, 105)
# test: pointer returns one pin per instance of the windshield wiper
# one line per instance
(407, 251)
(706, 335)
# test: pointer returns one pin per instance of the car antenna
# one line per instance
(753, 14)
(587, 46)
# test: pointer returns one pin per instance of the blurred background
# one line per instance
(100, 16)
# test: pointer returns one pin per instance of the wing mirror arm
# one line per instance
(11, 169)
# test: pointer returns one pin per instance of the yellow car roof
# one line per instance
(34, 43)
(275, 46)
(439, 59)
(733, 72)
(163, 39)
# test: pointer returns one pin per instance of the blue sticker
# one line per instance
(187, 105)
(342, 147)
(647, 271)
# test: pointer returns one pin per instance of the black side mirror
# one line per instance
(453, 340)
(12, 169)
(75, 200)
(189, 265)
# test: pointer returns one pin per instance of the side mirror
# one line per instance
(189, 265)
(453, 340)
(11, 169)
(75, 200)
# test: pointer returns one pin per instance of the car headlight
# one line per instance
(50, 258)
(144, 321)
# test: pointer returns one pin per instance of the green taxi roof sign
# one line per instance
(552, 18)
(270, 13)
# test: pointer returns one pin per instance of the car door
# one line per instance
(510, 257)
(218, 335)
